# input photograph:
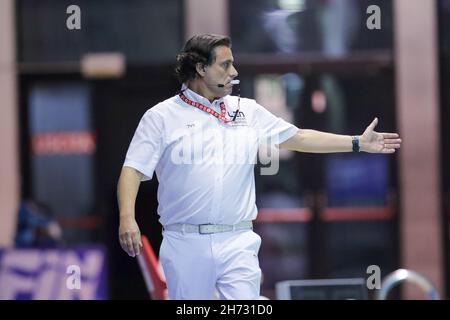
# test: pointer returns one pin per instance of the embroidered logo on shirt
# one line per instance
(240, 119)
(240, 114)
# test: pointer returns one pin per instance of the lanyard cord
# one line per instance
(209, 110)
(239, 104)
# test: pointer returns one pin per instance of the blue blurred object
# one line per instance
(76, 273)
(36, 226)
(357, 179)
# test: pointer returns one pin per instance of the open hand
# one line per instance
(375, 142)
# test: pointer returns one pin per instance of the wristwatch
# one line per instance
(355, 144)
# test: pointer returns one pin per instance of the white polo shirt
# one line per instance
(205, 167)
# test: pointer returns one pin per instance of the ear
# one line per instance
(201, 69)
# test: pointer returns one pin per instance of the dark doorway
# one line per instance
(118, 106)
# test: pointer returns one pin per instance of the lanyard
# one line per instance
(202, 107)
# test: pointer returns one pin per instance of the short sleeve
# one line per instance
(146, 146)
(272, 129)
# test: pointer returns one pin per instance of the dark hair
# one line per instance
(198, 49)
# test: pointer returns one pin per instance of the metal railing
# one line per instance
(402, 275)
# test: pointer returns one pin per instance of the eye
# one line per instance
(227, 64)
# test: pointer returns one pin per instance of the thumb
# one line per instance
(373, 124)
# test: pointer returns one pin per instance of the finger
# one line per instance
(392, 146)
(386, 150)
(136, 241)
(373, 124)
(392, 141)
(130, 245)
(123, 244)
(388, 135)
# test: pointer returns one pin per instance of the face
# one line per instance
(221, 71)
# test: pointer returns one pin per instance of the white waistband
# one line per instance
(208, 228)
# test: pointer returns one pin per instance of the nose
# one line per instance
(234, 72)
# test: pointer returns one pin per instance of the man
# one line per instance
(207, 201)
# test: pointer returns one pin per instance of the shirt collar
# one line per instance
(191, 95)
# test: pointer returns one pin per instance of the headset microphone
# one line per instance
(231, 82)
(239, 98)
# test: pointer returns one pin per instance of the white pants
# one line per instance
(195, 265)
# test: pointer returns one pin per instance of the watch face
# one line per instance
(355, 142)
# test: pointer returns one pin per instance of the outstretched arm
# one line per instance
(314, 141)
